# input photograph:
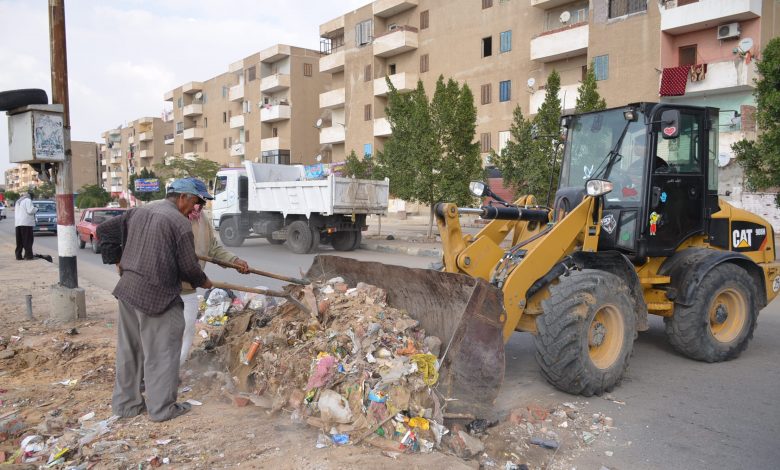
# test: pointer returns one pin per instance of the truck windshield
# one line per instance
(590, 139)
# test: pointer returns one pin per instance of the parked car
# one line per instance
(87, 226)
(2, 211)
(46, 217)
(113, 205)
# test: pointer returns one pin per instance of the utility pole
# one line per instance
(67, 240)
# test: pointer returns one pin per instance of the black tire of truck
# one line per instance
(719, 323)
(230, 233)
(358, 240)
(343, 241)
(586, 334)
(315, 240)
(299, 237)
(13, 99)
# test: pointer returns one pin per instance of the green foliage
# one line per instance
(361, 168)
(526, 163)
(588, 98)
(431, 155)
(179, 167)
(11, 196)
(144, 196)
(761, 158)
(44, 191)
(92, 195)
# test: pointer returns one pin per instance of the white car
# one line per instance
(112, 204)
(2, 211)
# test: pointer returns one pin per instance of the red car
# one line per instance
(90, 219)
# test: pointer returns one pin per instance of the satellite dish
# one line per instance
(745, 45)
(198, 95)
(318, 158)
(531, 82)
(318, 124)
(723, 159)
(565, 17)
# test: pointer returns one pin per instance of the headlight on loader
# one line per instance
(597, 188)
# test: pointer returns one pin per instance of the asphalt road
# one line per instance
(678, 413)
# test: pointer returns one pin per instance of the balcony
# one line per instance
(547, 4)
(570, 41)
(333, 62)
(193, 133)
(332, 135)
(382, 128)
(274, 83)
(192, 88)
(236, 92)
(398, 41)
(274, 143)
(104, 175)
(332, 28)
(116, 189)
(279, 112)
(388, 8)
(146, 136)
(707, 14)
(195, 109)
(237, 150)
(131, 139)
(103, 147)
(403, 82)
(115, 160)
(333, 99)
(146, 154)
(274, 53)
(724, 77)
(567, 94)
(169, 138)
(103, 162)
(237, 121)
(168, 96)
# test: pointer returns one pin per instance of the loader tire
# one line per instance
(586, 333)
(343, 241)
(299, 237)
(719, 323)
(230, 233)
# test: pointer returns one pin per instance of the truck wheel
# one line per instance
(343, 241)
(719, 323)
(358, 240)
(229, 232)
(315, 240)
(586, 333)
(299, 237)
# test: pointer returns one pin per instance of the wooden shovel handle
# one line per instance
(228, 264)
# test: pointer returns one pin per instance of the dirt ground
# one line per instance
(61, 373)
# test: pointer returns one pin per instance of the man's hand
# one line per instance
(242, 266)
(207, 284)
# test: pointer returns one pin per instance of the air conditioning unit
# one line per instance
(730, 30)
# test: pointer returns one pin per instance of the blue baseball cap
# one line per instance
(190, 186)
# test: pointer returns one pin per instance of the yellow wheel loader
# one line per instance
(636, 228)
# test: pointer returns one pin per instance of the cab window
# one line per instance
(680, 154)
(220, 184)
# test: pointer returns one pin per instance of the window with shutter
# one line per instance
(601, 67)
(251, 73)
(487, 4)
(424, 63)
(367, 73)
(307, 70)
(363, 32)
(246, 136)
(506, 41)
(484, 141)
(367, 112)
(505, 90)
(424, 19)
(486, 93)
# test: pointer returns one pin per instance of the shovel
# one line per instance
(228, 264)
(271, 293)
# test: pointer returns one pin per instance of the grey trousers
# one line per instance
(147, 350)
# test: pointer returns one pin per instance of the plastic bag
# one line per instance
(334, 408)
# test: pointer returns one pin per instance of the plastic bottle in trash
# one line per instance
(252, 350)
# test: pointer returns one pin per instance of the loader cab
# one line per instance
(660, 159)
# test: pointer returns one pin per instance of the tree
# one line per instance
(44, 191)
(147, 196)
(761, 158)
(179, 167)
(361, 168)
(431, 155)
(11, 197)
(530, 161)
(92, 195)
(588, 98)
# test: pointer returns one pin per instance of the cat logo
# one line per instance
(742, 238)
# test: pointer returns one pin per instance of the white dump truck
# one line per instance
(286, 203)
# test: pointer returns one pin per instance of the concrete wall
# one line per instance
(85, 164)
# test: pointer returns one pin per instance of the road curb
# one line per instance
(404, 250)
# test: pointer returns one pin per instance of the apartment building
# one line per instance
(84, 168)
(505, 50)
(127, 150)
(263, 109)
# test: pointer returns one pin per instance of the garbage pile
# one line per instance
(355, 367)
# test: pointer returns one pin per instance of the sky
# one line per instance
(124, 55)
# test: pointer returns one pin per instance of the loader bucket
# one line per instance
(465, 313)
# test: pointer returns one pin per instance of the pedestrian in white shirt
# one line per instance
(24, 218)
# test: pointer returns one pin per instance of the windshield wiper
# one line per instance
(612, 157)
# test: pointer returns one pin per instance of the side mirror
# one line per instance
(88, 219)
(477, 188)
(670, 124)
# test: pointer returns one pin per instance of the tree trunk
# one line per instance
(430, 222)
